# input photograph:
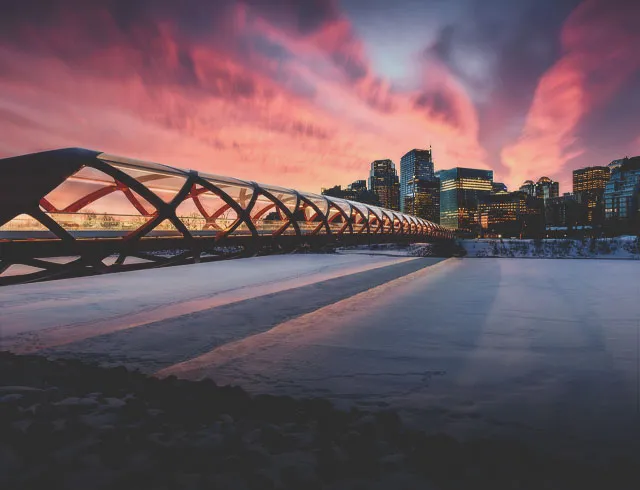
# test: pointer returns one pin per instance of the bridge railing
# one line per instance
(94, 204)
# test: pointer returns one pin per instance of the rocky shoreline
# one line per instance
(68, 424)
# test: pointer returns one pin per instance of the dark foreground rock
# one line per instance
(66, 424)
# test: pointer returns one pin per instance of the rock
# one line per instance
(99, 420)
(255, 456)
(364, 420)
(209, 442)
(21, 425)
(252, 436)
(226, 418)
(114, 402)
(19, 389)
(300, 463)
(300, 474)
(10, 463)
(74, 401)
(12, 398)
(392, 460)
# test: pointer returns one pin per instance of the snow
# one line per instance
(622, 247)
(544, 350)
(72, 309)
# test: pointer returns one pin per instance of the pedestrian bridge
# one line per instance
(74, 212)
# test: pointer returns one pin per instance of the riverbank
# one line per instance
(67, 424)
(623, 247)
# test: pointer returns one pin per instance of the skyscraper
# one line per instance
(622, 194)
(460, 190)
(419, 187)
(544, 189)
(588, 188)
(511, 214)
(383, 181)
(424, 200)
(547, 188)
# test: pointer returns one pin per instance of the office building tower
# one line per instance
(424, 200)
(460, 190)
(384, 183)
(511, 214)
(419, 187)
(622, 195)
(544, 188)
(588, 188)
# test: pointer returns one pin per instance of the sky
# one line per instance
(306, 93)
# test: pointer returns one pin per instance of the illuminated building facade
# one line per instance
(499, 188)
(562, 212)
(424, 200)
(460, 191)
(622, 195)
(419, 187)
(544, 188)
(383, 181)
(588, 188)
(511, 214)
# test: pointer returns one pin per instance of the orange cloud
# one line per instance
(599, 54)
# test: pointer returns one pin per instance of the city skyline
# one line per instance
(305, 94)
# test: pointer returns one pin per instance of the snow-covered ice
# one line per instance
(72, 309)
(544, 350)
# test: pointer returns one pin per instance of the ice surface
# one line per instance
(72, 309)
(543, 350)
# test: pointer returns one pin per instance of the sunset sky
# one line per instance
(306, 93)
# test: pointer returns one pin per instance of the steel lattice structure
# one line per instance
(108, 213)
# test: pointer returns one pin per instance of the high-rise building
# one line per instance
(424, 200)
(358, 186)
(499, 188)
(383, 181)
(562, 211)
(511, 214)
(622, 194)
(528, 187)
(460, 190)
(588, 188)
(356, 191)
(415, 165)
(547, 188)
(544, 189)
(419, 187)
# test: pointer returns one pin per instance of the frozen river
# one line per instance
(546, 350)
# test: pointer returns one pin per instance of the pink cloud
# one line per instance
(600, 46)
(314, 118)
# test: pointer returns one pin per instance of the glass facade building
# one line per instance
(419, 187)
(588, 188)
(383, 181)
(511, 214)
(544, 188)
(622, 192)
(460, 192)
